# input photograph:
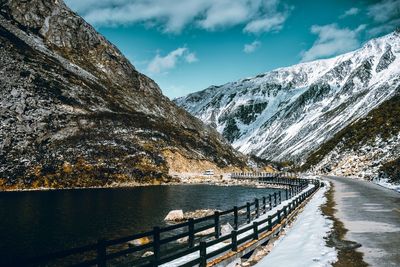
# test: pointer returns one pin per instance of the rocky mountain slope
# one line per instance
(288, 113)
(368, 147)
(75, 112)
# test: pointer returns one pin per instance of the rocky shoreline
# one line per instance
(198, 180)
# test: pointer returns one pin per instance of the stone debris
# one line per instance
(139, 242)
(147, 254)
(174, 216)
(226, 229)
(179, 216)
(206, 232)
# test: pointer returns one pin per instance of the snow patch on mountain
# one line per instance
(286, 113)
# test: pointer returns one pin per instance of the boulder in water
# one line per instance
(147, 254)
(199, 213)
(139, 242)
(226, 229)
(174, 216)
(182, 240)
(206, 232)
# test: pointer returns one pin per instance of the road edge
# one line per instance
(347, 254)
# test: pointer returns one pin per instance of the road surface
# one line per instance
(371, 213)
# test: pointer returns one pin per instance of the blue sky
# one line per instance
(188, 45)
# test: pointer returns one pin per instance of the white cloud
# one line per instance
(191, 57)
(161, 64)
(386, 15)
(384, 28)
(250, 48)
(332, 40)
(385, 10)
(350, 12)
(225, 13)
(266, 24)
(174, 15)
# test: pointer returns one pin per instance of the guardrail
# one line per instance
(182, 240)
(265, 174)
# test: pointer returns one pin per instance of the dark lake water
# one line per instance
(34, 223)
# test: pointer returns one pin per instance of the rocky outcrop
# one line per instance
(180, 216)
(75, 112)
(367, 148)
(364, 162)
(174, 216)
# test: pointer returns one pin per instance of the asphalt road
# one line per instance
(371, 213)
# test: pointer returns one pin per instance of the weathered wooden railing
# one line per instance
(270, 178)
(244, 175)
(195, 250)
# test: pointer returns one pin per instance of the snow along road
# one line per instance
(303, 245)
(371, 213)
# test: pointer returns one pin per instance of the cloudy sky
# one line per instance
(188, 45)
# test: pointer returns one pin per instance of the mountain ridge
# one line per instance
(290, 87)
(75, 112)
(288, 113)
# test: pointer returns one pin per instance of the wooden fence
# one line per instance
(172, 242)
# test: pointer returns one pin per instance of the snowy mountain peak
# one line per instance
(288, 112)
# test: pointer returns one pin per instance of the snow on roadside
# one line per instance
(304, 242)
(385, 183)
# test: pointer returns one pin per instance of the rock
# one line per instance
(147, 254)
(226, 229)
(199, 213)
(258, 254)
(139, 242)
(206, 232)
(182, 240)
(14, 92)
(174, 216)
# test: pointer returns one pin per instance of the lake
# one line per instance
(37, 222)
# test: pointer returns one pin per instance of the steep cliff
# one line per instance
(75, 112)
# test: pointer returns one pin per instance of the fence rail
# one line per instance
(162, 242)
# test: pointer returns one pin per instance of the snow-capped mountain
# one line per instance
(286, 113)
(75, 112)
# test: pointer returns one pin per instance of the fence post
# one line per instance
(216, 224)
(279, 215)
(248, 212)
(270, 201)
(235, 218)
(257, 203)
(287, 194)
(234, 240)
(203, 254)
(101, 253)
(269, 223)
(280, 197)
(275, 199)
(264, 205)
(156, 245)
(255, 230)
(191, 232)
